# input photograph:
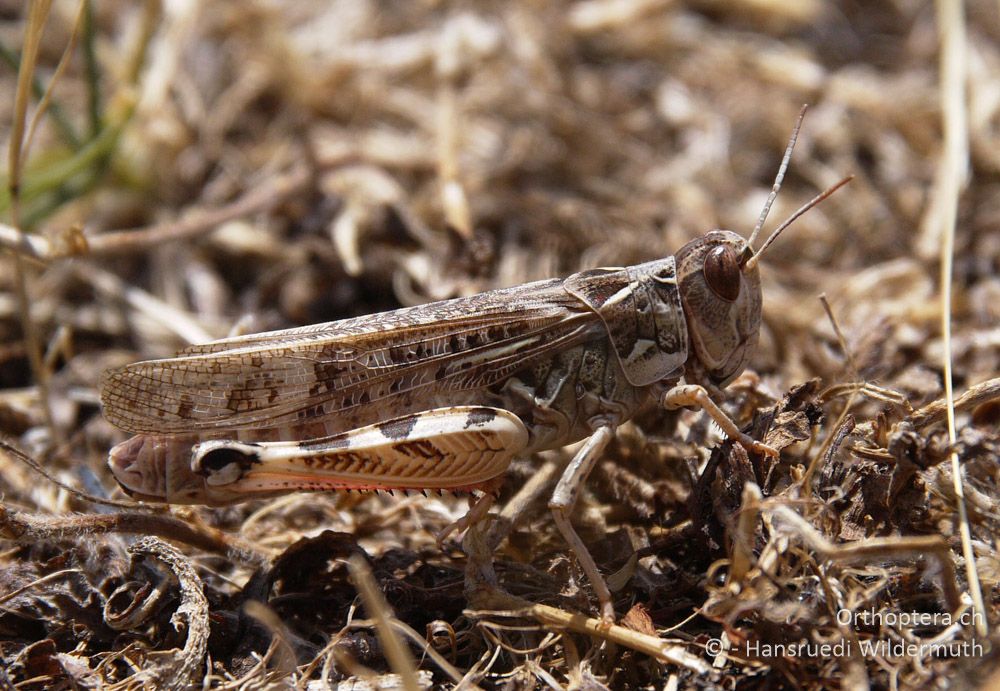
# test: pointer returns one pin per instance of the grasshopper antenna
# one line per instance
(752, 261)
(779, 178)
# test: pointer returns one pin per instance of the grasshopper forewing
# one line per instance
(443, 395)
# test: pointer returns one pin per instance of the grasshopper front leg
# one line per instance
(564, 499)
(692, 395)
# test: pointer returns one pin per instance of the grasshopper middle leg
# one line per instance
(561, 504)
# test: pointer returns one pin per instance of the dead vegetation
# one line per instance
(208, 167)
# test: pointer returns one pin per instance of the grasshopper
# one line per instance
(445, 395)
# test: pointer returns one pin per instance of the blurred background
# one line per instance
(202, 169)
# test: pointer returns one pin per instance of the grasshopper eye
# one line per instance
(722, 273)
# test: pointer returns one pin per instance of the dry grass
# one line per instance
(249, 166)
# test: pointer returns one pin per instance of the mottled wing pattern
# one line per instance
(281, 377)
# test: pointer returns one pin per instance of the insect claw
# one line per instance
(751, 444)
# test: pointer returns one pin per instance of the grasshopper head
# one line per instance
(720, 291)
(720, 287)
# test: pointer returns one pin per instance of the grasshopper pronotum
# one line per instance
(444, 395)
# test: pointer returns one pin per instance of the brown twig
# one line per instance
(398, 654)
(24, 527)
(937, 411)
(261, 198)
(192, 614)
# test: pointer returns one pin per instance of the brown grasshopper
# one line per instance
(444, 395)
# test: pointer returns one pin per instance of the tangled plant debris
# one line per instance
(204, 169)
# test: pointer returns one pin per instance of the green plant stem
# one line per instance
(63, 125)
